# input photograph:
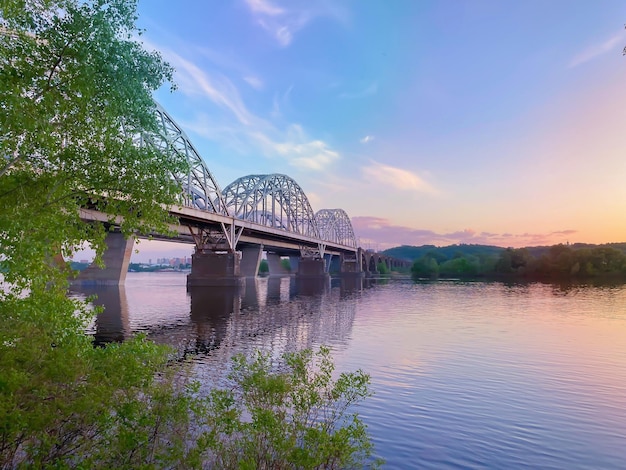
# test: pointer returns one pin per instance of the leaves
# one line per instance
(75, 89)
(75, 92)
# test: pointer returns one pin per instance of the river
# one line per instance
(464, 374)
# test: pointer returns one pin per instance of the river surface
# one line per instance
(465, 375)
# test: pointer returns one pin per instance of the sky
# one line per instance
(429, 122)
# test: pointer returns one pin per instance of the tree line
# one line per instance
(557, 262)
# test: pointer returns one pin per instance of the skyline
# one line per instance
(429, 122)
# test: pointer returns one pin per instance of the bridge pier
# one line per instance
(215, 269)
(350, 266)
(250, 260)
(116, 259)
(333, 263)
(294, 262)
(311, 268)
(275, 265)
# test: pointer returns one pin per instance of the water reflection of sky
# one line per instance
(464, 374)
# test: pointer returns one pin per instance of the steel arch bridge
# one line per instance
(334, 226)
(199, 188)
(272, 200)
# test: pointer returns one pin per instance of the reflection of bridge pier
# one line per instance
(312, 286)
(273, 288)
(350, 284)
(211, 308)
(112, 324)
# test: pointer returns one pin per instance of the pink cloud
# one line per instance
(380, 233)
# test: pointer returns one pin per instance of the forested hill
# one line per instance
(442, 253)
(579, 260)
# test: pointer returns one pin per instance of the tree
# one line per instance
(286, 264)
(425, 267)
(382, 268)
(264, 267)
(73, 79)
(460, 266)
(75, 89)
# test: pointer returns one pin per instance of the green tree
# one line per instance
(514, 260)
(382, 268)
(461, 266)
(75, 89)
(286, 264)
(264, 267)
(425, 267)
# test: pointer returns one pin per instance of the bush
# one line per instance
(287, 415)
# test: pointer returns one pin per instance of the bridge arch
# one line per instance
(334, 226)
(199, 188)
(273, 200)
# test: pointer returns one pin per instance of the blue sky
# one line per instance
(498, 122)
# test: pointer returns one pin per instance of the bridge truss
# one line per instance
(272, 200)
(334, 226)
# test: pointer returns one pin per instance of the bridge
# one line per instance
(233, 227)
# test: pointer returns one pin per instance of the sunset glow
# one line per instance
(431, 122)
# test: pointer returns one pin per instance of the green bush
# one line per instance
(286, 415)
(264, 267)
(382, 268)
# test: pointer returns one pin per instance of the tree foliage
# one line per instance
(557, 262)
(264, 267)
(75, 89)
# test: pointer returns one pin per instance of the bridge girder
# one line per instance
(273, 200)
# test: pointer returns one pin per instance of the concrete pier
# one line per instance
(350, 267)
(275, 265)
(250, 260)
(116, 259)
(215, 269)
(312, 268)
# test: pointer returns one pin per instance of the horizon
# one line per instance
(167, 249)
(428, 122)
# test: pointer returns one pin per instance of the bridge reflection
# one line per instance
(283, 313)
(112, 324)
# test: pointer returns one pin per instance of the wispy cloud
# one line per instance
(381, 232)
(193, 81)
(239, 128)
(298, 149)
(279, 102)
(264, 7)
(254, 82)
(397, 178)
(595, 50)
(366, 139)
(283, 22)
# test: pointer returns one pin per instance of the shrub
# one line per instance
(290, 415)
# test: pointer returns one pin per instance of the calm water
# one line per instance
(465, 375)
